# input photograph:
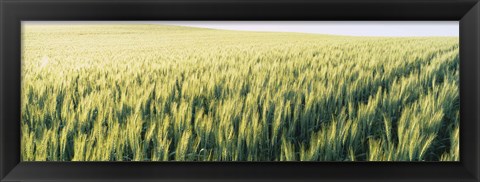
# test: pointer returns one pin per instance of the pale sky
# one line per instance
(355, 28)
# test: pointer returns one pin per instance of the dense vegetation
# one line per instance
(169, 93)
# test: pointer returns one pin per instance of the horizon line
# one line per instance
(340, 28)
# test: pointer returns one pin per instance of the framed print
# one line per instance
(239, 90)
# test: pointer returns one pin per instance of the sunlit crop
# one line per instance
(168, 93)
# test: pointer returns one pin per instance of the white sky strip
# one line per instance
(355, 28)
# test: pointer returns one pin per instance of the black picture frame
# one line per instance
(12, 12)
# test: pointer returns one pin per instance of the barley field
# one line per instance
(149, 92)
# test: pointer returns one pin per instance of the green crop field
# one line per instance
(140, 92)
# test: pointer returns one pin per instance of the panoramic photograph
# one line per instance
(240, 91)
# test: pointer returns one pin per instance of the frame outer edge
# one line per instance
(477, 18)
(2, 128)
